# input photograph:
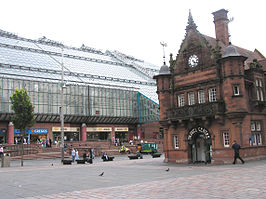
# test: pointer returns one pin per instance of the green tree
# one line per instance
(23, 117)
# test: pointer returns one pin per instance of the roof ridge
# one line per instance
(49, 42)
(59, 54)
(231, 44)
(79, 74)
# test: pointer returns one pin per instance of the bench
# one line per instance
(111, 158)
(136, 156)
(67, 162)
(156, 155)
(132, 157)
(80, 161)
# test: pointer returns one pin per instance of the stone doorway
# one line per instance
(199, 145)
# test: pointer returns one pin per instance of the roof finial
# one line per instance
(164, 45)
(190, 24)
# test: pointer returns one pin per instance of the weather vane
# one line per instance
(164, 45)
(229, 35)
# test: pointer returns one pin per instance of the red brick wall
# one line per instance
(150, 129)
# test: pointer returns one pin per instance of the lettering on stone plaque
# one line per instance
(200, 130)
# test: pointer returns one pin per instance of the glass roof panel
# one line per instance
(106, 74)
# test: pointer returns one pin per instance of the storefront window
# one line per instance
(68, 136)
(122, 136)
(32, 136)
(3, 136)
(98, 135)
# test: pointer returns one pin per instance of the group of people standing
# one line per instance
(86, 155)
(117, 141)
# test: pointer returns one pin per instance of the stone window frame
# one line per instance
(191, 98)
(256, 132)
(176, 142)
(259, 89)
(236, 90)
(225, 138)
(212, 94)
(201, 96)
(256, 139)
(181, 100)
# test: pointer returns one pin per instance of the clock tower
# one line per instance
(195, 53)
(212, 94)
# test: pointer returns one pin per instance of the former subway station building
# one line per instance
(212, 93)
(106, 94)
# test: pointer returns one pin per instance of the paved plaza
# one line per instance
(138, 179)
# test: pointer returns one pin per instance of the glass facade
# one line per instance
(45, 96)
(81, 100)
(148, 109)
(112, 102)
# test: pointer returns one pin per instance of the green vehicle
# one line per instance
(147, 147)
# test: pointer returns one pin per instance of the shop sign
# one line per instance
(201, 130)
(66, 129)
(2, 131)
(33, 131)
(99, 129)
(121, 128)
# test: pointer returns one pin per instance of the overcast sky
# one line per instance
(133, 27)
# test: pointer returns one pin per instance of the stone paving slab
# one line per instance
(143, 179)
(240, 183)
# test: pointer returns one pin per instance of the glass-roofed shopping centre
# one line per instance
(106, 94)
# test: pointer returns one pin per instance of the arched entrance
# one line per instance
(199, 145)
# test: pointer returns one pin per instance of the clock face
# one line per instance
(193, 60)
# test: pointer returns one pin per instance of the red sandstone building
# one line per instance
(212, 93)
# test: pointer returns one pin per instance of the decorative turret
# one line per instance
(164, 70)
(232, 71)
(230, 51)
(163, 89)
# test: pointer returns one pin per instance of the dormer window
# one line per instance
(259, 90)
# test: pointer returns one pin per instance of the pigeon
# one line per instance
(167, 169)
(101, 174)
(52, 164)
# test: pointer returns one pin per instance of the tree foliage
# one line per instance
(23, 117)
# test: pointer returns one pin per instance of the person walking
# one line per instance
(77, 155)
(50, 142)
(236, 148)
(73, 154)
(1, 151)
(92, 153)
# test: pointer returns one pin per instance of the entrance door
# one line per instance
(199, 144)
(200, 150)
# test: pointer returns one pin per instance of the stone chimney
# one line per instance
(221, 26)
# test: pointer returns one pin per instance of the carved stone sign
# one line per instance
(200, 130)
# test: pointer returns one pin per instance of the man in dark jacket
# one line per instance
(236, 148)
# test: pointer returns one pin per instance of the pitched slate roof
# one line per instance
(244, 52)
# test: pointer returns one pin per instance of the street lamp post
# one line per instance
(62, 107)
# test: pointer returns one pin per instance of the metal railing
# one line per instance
(197, 110)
